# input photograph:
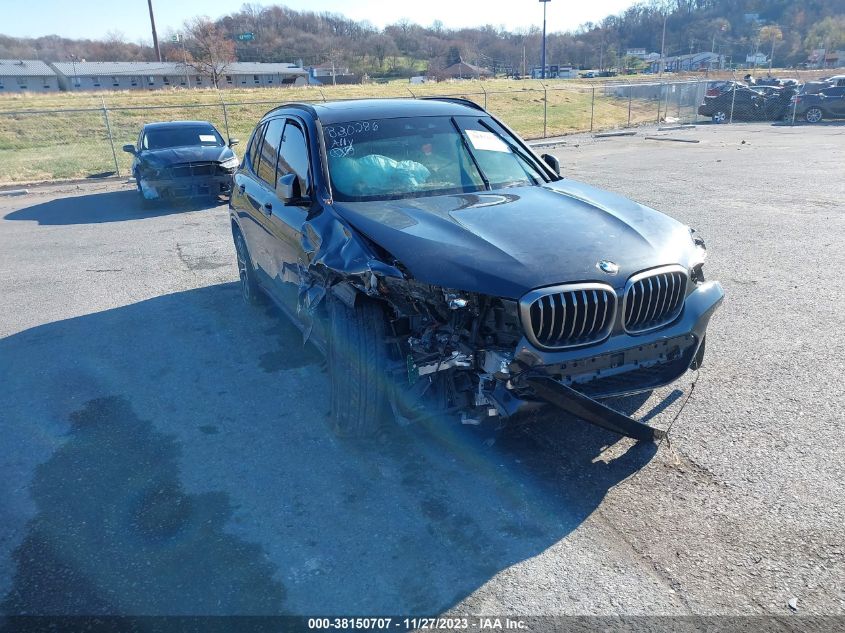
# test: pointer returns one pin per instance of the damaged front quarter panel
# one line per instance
(448, 348)
(339, 260)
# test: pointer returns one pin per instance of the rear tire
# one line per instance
(813, 115)
(250, 290)
(357, 359)
(720, 117)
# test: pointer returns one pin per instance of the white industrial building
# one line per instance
(91, 76)
(251, 74)
(691, 62)
(27, 75)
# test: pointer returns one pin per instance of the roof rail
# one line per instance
(294, 104)
(458, 100)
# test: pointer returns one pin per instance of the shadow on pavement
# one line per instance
(113, 206)
(155, 465)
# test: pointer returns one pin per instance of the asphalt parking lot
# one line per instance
(166, 449)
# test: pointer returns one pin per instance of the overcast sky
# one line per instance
(94, 18)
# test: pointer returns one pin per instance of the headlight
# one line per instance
(149, 170)
(230, 163)
(697, 261)
(700, 247)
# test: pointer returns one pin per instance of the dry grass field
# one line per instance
(66, 135)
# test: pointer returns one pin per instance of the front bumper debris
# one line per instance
(590, 410)
(187, 187)
(571, 379)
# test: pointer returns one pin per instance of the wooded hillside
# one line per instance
(735, 28)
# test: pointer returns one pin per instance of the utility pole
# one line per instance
(73, 59)
(774, 35)
(179, 38)
(772, 55)
(523, 59)
(663, 46)
(153, 25)
(543, 61)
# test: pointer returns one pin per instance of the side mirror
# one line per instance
(552, 162)
(289, 191)
(129, 149)
(284, 187)
(233, 142)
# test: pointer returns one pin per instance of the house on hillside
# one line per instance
(27, 75)
(89, 76)
(757, 59)
(462, 70)
(641, 54)
(554, 71)
(329, 74)
(821, 58)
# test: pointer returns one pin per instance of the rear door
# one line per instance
(241, 201)
(258, 191)
(286, 221)
(834, 101)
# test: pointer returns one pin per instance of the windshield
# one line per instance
(189, 135)
(386, 159)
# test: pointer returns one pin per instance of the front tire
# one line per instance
(146, 203)
(813, 115)
(357, 359)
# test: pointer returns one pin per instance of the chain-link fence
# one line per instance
(86, 142)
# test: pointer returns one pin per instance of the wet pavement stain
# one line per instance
(115, 533)
(209, 429)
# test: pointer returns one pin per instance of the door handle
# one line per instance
(268, 208)
(242, 188)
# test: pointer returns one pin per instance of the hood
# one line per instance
(507, 242)
(191, 154)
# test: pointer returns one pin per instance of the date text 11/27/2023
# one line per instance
(478, 623)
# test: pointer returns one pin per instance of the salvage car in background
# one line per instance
(715, 88)
(827, 103)
(744, 103)
(446, 270)
(182, 159)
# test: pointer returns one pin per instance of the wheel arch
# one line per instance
(235, 225)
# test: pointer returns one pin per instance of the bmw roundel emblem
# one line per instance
(607, 267)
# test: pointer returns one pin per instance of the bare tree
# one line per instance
(211, 53)
(382, 46)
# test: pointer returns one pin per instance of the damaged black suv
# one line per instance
(445, 270)
(182, 159)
